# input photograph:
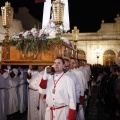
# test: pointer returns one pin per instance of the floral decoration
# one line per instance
(30, 40)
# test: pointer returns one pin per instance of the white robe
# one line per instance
(77, 84)
(11, 95)
(65, 95)
(88, 69)
(86, 86)
(42, 103)
(22, 88)
(85, 75)
(81, 79)
(33, 96)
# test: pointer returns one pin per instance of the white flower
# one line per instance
(25, 34)
(15, 37)
(34, 32)
(21, 33)
(52, 34)
(52, 25)
(40, 32)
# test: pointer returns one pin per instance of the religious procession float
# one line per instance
(35, 46)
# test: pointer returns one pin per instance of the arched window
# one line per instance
(81, 54)
(109, 57)
(109, 52)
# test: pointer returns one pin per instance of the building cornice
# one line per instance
(94, 36)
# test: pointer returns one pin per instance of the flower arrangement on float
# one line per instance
(30, 40)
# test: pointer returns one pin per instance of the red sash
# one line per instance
(52, 108)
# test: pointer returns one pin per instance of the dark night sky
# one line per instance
(87, 15)
(90, 14)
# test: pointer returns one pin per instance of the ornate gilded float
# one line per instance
(11, 55)
(36, 47)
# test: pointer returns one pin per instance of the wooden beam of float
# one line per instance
(11, 55)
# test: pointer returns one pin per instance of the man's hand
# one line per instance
(45, 75)
(29, 71)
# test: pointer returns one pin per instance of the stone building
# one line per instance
(101, 47)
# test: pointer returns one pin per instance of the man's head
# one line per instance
(30, 67)
(77, 63)
(84, 62)
(106, 70)
(80, 62)
(73, 63)
(8, 67)
(67, 64)
(40, 67)
(118, 71)
(33, 67)
(113, 68)
(59, 65)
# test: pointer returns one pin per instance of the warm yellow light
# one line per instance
(7, 15)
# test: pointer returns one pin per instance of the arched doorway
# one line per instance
(109, 57)
(81, 54)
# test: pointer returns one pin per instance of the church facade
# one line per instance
(101, 47)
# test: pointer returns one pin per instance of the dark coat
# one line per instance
(117, 90)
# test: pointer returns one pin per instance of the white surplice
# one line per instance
(22, 88)
(33, 95)
(11, 95)
(77, 84)
(65, 95)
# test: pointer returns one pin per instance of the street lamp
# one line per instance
(7, 16)
(58, 13)
(97, 53)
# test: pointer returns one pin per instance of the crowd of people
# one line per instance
(57, 92)
(13, 92)
(107, 80)
(55, 95)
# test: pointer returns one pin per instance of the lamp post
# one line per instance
(98, 59)
(7, 16)
(58, 13)
(97, 53)
(75, 35)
